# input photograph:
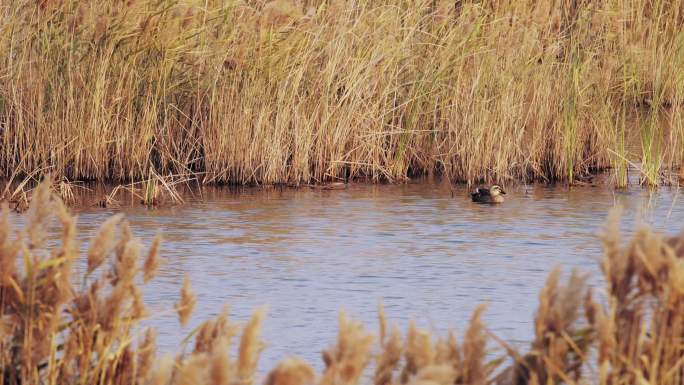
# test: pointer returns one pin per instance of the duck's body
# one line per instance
(488, 195)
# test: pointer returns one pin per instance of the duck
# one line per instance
(493, 194)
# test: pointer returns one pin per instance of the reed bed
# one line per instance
(63, 325)
(308, 91)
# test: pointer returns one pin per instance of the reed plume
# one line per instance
(291, 371)
(250, 348)
(644, 309)
(103, 243)
(162, 372)
(390, 355)
(345, 362)
(187, 302)
(419, 352)
(152, 261)
(212, 332)
(146, 354)
(474, 370)
(221, 368)
(38, 215)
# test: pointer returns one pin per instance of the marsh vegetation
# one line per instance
(296, 92)
(151, 95)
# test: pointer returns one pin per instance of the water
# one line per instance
(427, 253)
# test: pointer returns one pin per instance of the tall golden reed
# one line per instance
(299, 91)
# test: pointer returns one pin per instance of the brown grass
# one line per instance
(303, 91)
(55, 332)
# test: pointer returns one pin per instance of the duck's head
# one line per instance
(496, 190)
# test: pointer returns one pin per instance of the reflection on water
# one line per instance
(425, 252)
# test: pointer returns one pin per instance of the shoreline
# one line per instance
(163, 192)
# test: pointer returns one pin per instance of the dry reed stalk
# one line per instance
(448, 352)
(283, 92)
(435, 375)
(474, 350)
(291, 371)
(152, 261)
(389, 358)
(221, 368)
(645, 307)
(193, 370)
(125, 264)
(163, 372)
(250, 348)
(345, 362)
(390, 355)
(102, 244)
(38, 214)
(382, 322)
(218, 330)
(419, 352)
(561, 345)
(138, 310)
(146, 353)
(187, 302)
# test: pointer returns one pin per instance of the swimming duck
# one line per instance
(493, 194)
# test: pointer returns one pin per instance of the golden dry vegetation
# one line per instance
(60, 324)
(307, 91)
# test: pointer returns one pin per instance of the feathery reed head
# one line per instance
(152, 261)
(291, 371)
(250, 347)
(346, 360)
(187, 302)
(103, 242)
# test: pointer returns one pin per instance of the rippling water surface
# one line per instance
(425, 251)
